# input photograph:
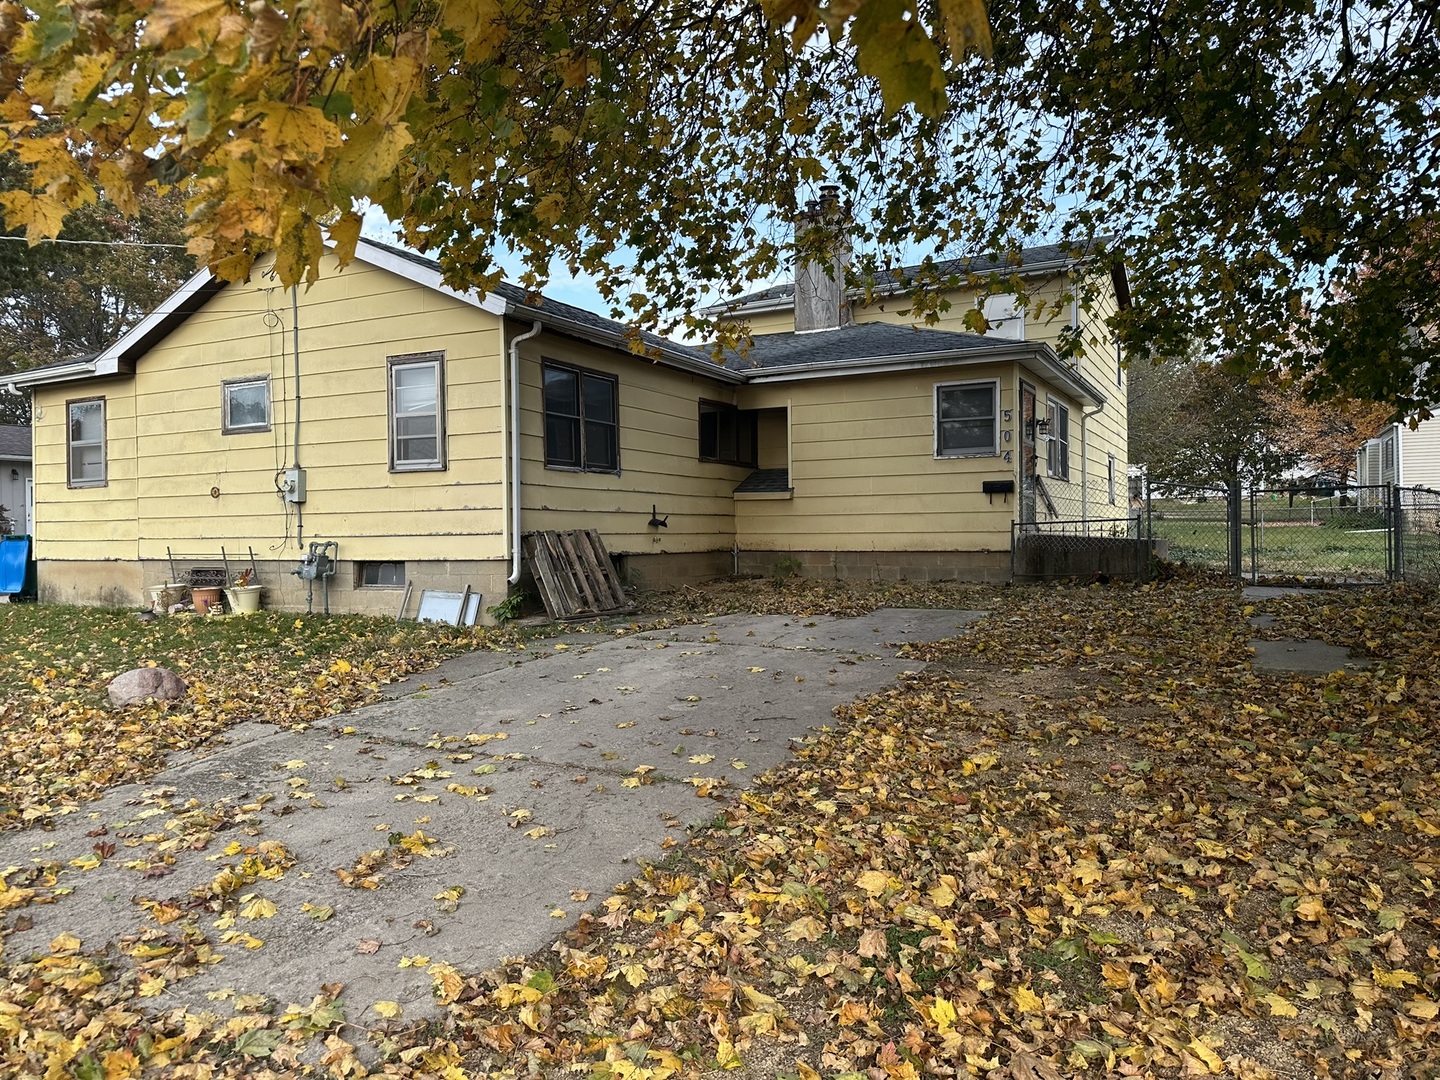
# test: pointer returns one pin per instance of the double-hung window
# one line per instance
(417, 412)
(582, 419)
(966, 419)
(85, 442)
(245, 405)
(1057, 448)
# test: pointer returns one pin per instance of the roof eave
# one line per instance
(1039, 358)
(597, 336)
(81, 369)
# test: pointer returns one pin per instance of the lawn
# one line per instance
(1318, 541)
(1086, 840)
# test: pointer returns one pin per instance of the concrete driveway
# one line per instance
(534, 781)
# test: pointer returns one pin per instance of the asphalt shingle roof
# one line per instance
(849, 343)
(14, 442)
(543, 305)
(978, 264)
(765, 481)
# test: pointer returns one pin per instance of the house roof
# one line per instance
(1042, 258)
(14, 442)
(868, 347)
(871, 348)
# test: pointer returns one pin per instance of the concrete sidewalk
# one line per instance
(534, 780)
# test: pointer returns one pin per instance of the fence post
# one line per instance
(1396, 569)
(1232, 512)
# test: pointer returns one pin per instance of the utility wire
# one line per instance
(97, 243)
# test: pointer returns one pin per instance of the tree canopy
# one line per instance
(1265, 171)
(66, 299)
(1198, 422)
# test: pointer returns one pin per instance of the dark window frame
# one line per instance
(226, 386)
(579, 422)
(743, 428)
(434, 359)
(104, 480)
(993, 448)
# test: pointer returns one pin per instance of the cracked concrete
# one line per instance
(541, 776)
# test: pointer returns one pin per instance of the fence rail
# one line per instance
(1359, 534)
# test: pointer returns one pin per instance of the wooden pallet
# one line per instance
(574, 574)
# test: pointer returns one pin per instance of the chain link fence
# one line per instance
(1417, 535)
(1191, 525)
(1329, 534)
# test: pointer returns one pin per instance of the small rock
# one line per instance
(144, 683)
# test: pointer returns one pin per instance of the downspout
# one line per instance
(515, 449)
(1085, 462)
(295, 463)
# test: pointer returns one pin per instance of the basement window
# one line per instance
(380, 575)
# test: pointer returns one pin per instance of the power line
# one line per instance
(97, 243)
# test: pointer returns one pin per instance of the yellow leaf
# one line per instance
(1394, 979)
(293, 763)
(413, 961)
(1204, 1053)
(341, 666)
(175, 24)
(1422, 1008)
(630, 782)
(1027, 1000)
(481, 26)
(1279, 1006)
(41, 216)
(64, 943)
(635, 974)
(298, 132)
(701, 759)
(943, 1014)
(873, 882)
(259, 908)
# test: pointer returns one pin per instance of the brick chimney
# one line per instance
(822, 234)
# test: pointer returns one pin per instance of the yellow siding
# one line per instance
(85, 523)
(865, 473)
(660, 462)
(168, 456)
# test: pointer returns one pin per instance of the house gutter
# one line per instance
(534, 330)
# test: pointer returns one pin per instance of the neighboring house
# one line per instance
(15, 475)
(1402, 456)
(434, 428)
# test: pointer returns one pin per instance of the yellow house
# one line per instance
(424, 430)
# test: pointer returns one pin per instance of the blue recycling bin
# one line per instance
(17, 568)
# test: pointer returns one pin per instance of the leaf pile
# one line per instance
(61, 743)
(1087, 840)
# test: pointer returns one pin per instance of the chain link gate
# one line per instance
(1331, 534)
(1416, 513)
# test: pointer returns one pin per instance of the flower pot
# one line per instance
(243, 599)
(164, 597)
(206, 600)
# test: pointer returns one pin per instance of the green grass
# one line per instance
(1342, 542)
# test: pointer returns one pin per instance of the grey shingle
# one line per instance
(767, 481)
(849, 343)
(14, 442)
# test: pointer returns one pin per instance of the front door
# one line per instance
(1027, 452)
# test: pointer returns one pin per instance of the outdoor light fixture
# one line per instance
(1042, 428)
(14, 474)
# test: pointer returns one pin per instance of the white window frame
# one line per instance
(1057, 446)
(1119, 364)
(71, 445)
(993, 450)
(414, 361)
(228, 387)
(1110, 476)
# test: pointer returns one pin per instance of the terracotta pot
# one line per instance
(206, 601)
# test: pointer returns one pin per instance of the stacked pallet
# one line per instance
(573, 572)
